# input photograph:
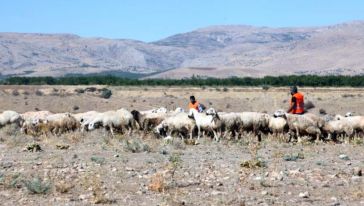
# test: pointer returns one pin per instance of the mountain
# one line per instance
(217, 51)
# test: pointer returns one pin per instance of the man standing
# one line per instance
(297, 102)
(195, 104)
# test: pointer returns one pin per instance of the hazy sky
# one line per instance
(150, 20)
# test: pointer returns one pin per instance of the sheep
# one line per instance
(178, 110)
(338, 127)
(32, 119)
(255, 122)
(357, 122)
(34, 115)
(231, 123)
(209, 121)
(147, 121)
(120, 119)
(160, 110)
(59, 123)
(179, 122)
(277, 125)
(10, 117)
(307, 124)
(157, 110)
(85, 118)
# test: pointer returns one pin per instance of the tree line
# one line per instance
(305, 80)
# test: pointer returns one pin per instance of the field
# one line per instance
(93, 168)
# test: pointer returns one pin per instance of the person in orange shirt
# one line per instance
(195, 104)
(297, 102)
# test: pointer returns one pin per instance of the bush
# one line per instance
(15, 93)
(309, 105)
(37, 186)
(106, 93)
(136, 146)
(39, 93)
(79, 91)
(98, 160)
(90, 89)
(225, 89)
(265, 87)
(322, 111)
(347, 95)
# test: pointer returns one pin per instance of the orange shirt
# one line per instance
(298, 107)
(193, 106)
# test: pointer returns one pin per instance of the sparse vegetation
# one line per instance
(106, 93)
(157, 183)
(255, 162)
(15, 93)
(79, 91)
(347, 95)
(37, 186)
(63, 186)
(34, 147)
(136, 146)
(91, 167)
(98, 160)
(293, 156)
(39, 93)
(265, 87)
(322, 111)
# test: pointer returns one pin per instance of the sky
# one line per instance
(151, 20)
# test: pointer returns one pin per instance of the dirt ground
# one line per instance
(93, 168)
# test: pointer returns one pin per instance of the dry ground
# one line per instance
(90, 168)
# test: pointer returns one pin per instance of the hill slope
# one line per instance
(218, 51)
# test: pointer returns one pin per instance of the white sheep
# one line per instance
(156, 110)
(85, 118)
(120, 119)
(178, 110)
(338, 127)
(255, 122)
(277, 125)
(357, 122)
(179, 123)
(32, 119)
(208, 121)
(59, 123)
(148, 121)
(10, 117)
(306, 124)
(231, 123)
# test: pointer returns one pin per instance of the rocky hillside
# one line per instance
(218, 51)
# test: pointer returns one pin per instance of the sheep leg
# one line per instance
(298, 136)
(198, 132)
(129, 130)
(112, 131)
(215, 135)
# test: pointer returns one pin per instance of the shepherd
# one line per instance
(196, 105)
(297, 102)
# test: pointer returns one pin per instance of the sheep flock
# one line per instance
(189, 124)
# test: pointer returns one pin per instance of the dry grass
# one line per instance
(157, 183)
(93, 183)
(64, 187)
